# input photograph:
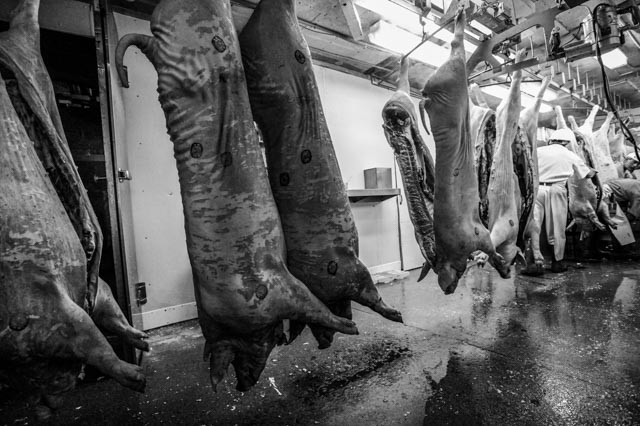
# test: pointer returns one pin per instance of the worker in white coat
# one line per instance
(555, 164)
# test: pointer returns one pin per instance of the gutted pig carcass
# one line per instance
(319, 228)
(486, 128)
(526, 166)
(562, 124)
(595, 157)
(235, 241)
(584, 138)
(585, 204)
(607, 168)
(482, 121)
(526, 161)
(503, 194)
(414, 162)
(617, 145)
(45, 333)
(31, 92)
(458, 229)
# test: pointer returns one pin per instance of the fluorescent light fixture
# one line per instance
(529, 101)
(478, 26)
(545, 107)
(499, 91)
(614, 59)
(408, 20)
(393, 12)
(398, 40)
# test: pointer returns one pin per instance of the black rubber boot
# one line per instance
(557, 265)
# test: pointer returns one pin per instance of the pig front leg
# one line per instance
(533, 256)
(74, 335)
(495, 259)
(107, 314)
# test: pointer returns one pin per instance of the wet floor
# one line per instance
(558, 349)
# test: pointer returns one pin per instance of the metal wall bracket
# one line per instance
(141, 293)
(123, 175)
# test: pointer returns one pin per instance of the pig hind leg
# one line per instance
(497, 261)
(75, 335)
(247, 353)
(323, 335)
(107, 314)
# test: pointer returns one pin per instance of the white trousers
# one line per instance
(552, 204)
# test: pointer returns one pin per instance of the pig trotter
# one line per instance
(324, 336)
(426, 267)
(107, 314)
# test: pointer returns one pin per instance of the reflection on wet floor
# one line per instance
(557, 349)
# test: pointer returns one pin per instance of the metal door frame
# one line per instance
(100, 13)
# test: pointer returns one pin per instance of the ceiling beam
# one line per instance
(353, 19)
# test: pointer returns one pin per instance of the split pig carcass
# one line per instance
(527, 161)
(319, 228)
(585, 203)
(596, 145)
(617, 146)
(587, 211)
(415, 164)
(235, 240)
(51, 300)
(482, 121)
(606, 166)
(504, 199)
(499, 140)
(458, 229)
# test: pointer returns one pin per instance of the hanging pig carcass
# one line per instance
(319, 228)
(51, 299)
(526, 166)
(414, 162)
(482, 123)
(31, 92)
(504, 194)
(234, 234)
(458, 229)
(45, 333)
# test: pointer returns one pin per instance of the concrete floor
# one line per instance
(559, 349)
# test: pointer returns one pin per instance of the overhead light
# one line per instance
(496, 90)
(408, 20)
(545, 107)
(478, 26)
(398, 40)
(390, 11)
(502, 92)
(614, 59)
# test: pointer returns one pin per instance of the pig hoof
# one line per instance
(324, 336)
(131, 376)
(135, 337)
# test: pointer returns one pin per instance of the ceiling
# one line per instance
(340, 32)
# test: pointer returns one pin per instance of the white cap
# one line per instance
(631, 156)
(563, 135)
